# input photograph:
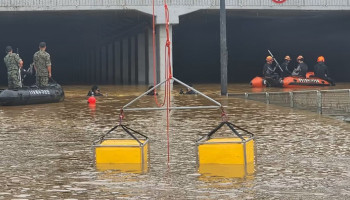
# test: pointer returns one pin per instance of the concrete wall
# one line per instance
(128, 60)
(177, 7)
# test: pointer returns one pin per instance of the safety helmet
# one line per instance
(320, 59)
(300, 57)
(287, 58)
(269, 58)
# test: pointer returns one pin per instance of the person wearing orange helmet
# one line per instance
(285, 68)
(321, 70)
(301, 69)
(269, 72)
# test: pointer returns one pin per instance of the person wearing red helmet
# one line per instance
(321, 70)
(301, 69)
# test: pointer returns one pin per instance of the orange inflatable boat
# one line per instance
(289, 82)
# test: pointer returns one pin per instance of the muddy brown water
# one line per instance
(46, 150)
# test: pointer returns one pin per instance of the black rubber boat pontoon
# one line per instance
(32, 95)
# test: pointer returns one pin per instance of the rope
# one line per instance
(224, 116)
(121, 116)
(168, 72)
(154, 61)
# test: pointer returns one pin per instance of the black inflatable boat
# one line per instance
(32, 95)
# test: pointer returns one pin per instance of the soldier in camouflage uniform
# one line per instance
(13, 63)
(42, 65)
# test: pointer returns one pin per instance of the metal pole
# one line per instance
(131, 102)
(172, 108)
(205, 96)
(267, 98)
(223, 48)
(319, 102)
(291, 96)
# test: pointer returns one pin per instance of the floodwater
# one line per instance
(46, 150)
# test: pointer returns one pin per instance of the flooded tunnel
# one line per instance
(250, 33)
(72, 38)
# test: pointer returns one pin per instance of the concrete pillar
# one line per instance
(98, 65)
(150, 56)
(117, 63)
(93, 67)
(87, 70)
(103, 64)
(110, 64)
(133, 60)
(141, 58)
(125, 68)
(161, 42)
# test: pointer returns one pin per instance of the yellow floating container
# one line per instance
(136, 168)
(226, 170)
(121, 151)
(233, 151)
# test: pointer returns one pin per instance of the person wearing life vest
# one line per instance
(152, 92)
(95, 91)
(188, 90)
(269, 70)
(321, 70)
(301, 69)
(286, 72)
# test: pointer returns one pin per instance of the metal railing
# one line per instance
(230, 4)
(329, 102)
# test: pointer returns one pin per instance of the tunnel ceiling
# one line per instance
(67, 34)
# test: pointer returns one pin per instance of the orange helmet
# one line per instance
(287, 58)
(300, 57)
(320, 59)
(269, 58)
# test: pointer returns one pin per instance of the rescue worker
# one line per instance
(268, 70)
(151, 93)
(13, 64)
(188, 90)
(285, 68)
(95, 91)
(321, 70)
(301, 69)
(42, 65)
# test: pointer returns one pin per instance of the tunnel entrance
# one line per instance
(69, 36)
(251, 33)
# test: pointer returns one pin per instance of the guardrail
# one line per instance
(230, 4)
(329, 102)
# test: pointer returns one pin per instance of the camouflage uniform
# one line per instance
(12, 61)
(41, 62)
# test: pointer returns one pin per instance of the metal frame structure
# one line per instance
(97, 144)
(142, 145)
(320, 101)
(218, 105)
(243, 141)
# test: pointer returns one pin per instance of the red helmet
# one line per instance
(320, 59)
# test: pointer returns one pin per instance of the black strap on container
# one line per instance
(231, 126)
(126, 129)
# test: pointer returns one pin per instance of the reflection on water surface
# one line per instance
(46, 150)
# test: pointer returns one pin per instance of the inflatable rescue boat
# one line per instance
(290, 82)
(31, 95)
